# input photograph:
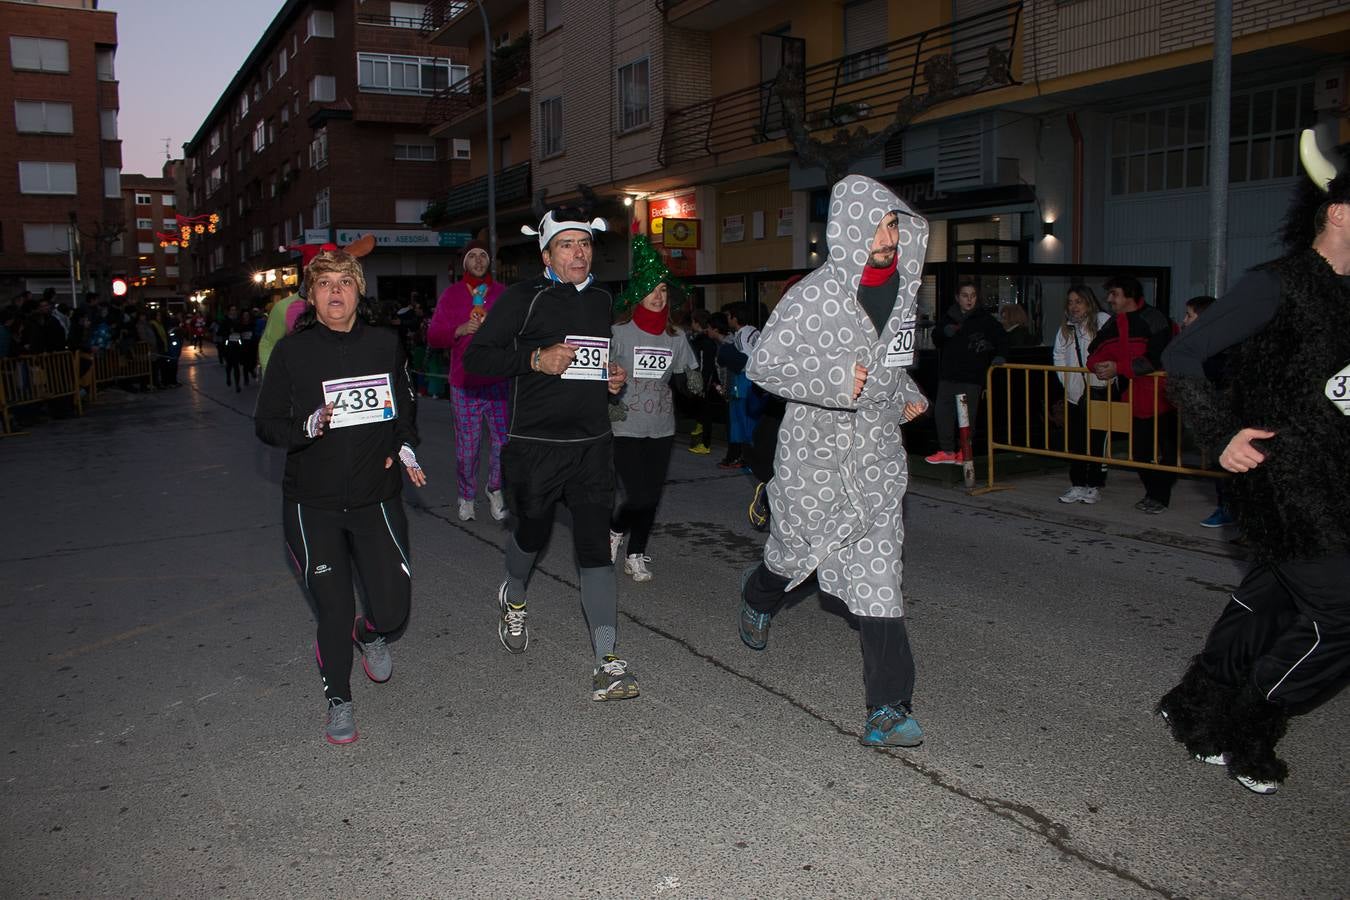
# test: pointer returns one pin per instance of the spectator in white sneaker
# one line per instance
(1083, 316)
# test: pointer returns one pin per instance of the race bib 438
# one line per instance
(360, 400)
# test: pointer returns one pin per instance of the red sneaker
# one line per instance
(943, 457)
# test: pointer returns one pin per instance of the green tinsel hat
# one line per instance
(649, 270)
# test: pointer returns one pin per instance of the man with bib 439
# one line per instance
(837, 348)
(550, 335)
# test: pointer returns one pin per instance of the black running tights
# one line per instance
(641, 464)
(329, 547)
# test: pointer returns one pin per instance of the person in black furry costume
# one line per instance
(1282, 426)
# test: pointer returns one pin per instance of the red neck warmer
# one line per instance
(648, 321)
(872, 276)
(473, 282)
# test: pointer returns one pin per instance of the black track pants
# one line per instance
(1286, 631)
(641, 464)
(328, 548)
(888, 660)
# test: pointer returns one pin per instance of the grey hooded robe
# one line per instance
(840, 472)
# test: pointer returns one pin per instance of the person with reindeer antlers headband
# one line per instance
(1282, 643)
(337, 396)
(551, 336)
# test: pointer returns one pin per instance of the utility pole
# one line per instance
(1220, 97)
(72, 234)
(491, 140)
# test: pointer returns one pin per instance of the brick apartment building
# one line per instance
(62, 165)
(668, 104)
(320, 136)
(149, 209)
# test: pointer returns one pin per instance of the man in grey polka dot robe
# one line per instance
(837, 348)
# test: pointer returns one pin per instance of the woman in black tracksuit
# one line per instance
(342, 509)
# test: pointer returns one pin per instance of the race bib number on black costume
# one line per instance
(360, 400)
(651, 362)
(1338, 390)
(592, 360)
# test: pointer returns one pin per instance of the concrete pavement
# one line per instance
(163, 737)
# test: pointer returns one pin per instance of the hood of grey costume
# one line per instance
(840, 472)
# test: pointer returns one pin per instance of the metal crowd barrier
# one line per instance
(113, 365)
(1108, 416)
(38, 378)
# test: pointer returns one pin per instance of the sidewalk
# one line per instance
(1030, 486)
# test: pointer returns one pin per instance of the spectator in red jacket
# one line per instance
(1127, 350)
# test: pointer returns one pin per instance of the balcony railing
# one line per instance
(465, 200)
(388, 21)
(509, 71)
(440, 13)
(952, 60)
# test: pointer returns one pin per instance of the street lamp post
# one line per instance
(491, 140)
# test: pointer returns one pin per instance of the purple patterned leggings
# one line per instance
(471, 405)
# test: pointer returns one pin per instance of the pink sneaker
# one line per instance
(943, 457)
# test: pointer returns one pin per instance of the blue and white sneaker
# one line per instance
(891, 726)
(754, 625)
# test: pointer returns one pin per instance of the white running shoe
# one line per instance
(1258, 787)
(465, 510)
(498, 504)
(615, 539)
(635, 564)
(1090, 496)
(1072, 495)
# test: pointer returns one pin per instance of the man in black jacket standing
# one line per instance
(550, 335)
(338, 398)
(971, 339)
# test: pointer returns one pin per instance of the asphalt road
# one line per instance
(163, 737)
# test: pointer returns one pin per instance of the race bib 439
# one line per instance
(592, 360)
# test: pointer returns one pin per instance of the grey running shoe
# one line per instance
(513, 631)
(375, 658)
(339, 725)
(613, 681)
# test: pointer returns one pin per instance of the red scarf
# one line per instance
(874, 277)
(473, 282)
(648, 321)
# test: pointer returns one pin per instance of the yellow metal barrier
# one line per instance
(111, 364)
(1109, 415)
(38, 378)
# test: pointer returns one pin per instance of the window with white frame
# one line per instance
(257, 91)
(243, 105)
(285, 115)
(239, 160)
(414, 147)
(407, 212)
(117, 247)
(171, 271)
(461, 148)
(286, 231)
(145, 248)
(33, 54)
(213, 142)
(214, 179)
(144, 200)
(283, 65)
(318, 149)
(46, 178)
(634, 95)
(112, 181)
(552, 14)
(167, 200)
(46, 238)
(1166, 148)
(321, 209)
(255, 241)
(271, 131)
(550, 127)
(322, 89)
(170, 223)
(387, 73)
(143, 224)
(43, 117)
(107, 124)
(171, 250)
(259, 137)
(103, 64)
(269, 76)
(865, 30)
(406, 15)
(320, 24)
(218, 257)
